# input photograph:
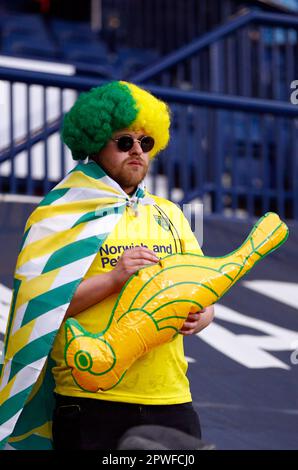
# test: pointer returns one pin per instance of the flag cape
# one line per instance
(61, 239)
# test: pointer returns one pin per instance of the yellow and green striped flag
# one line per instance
(61, 239)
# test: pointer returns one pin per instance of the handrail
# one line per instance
(227, 102)
(243, 19)
(36, 136)
(283, 7)
(40, 78)
(214, 100)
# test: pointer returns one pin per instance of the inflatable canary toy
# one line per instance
(154, 303)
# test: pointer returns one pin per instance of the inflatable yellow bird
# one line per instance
(154, 303)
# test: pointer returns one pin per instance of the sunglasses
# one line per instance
(126, 142)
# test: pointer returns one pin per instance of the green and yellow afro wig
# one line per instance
(100, 112)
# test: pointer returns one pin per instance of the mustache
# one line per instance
(136, 159)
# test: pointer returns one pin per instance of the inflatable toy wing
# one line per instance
(154, 303)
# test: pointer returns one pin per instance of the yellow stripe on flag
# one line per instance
(83, 207)
(77, 179)
(35, 287)
(19, 339)
(45, 430)
(4, 394)
(49, 244)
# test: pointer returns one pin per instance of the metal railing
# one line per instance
(254, 54)
(238, 156)
(166, 25)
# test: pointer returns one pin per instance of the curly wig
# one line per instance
(100, 112)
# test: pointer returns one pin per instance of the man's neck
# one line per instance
(130, 191)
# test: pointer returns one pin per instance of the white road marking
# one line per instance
(190, 360)
(285, 292)
(248, 349)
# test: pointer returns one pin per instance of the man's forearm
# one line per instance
(90, 292)
(96, 288)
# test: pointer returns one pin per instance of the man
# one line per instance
(91, 233)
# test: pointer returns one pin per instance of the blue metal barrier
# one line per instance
(251, 55)
(238, 156)
(167, 25)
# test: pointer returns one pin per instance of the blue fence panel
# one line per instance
(250, 55)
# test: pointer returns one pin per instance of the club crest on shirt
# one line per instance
(162, 222)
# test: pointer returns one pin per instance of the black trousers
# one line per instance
(91, 424)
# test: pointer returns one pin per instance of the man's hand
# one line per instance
(130, 262)
(196, 322)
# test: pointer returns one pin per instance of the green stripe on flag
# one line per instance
(2, 444)
(90, 169)
(98, 214)
(53, 196)
(140, 193)
(12, 405)
(32, 352)
(49, 300)
(33, 442)
(43, 401)
(86, 218)
(73, 252)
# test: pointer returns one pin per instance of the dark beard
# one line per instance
(125, 181)
(128, 181)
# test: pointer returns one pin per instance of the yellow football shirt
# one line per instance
(159, 377)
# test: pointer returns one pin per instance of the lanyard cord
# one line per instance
(171, 225)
